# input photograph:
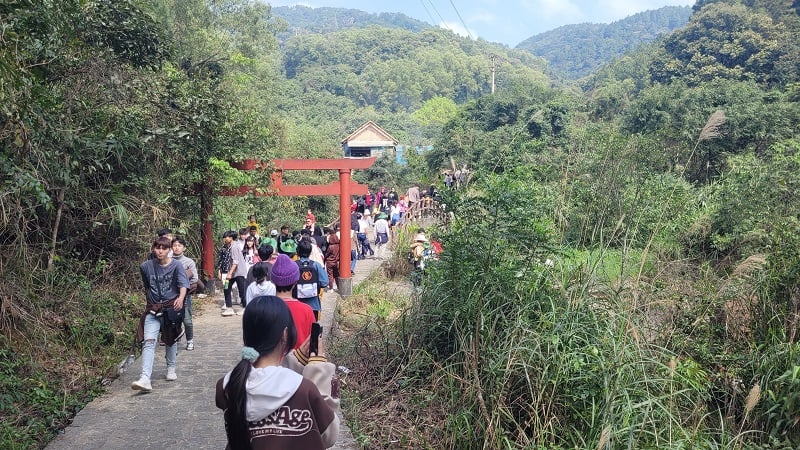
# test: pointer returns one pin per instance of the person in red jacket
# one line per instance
(285, 274)
(275, 398)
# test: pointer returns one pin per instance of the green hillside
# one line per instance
(304, 20)
(574, 51)
(338, 80)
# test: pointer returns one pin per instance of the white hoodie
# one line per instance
(268, 389)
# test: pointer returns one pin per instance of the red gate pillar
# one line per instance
(345, 281)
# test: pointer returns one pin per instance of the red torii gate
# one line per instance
(344, 188)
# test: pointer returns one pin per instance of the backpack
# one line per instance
(308, 284)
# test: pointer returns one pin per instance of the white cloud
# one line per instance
(459, 29)
(482, 17)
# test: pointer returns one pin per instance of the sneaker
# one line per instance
(190, 344)
(171, 375)
(227, 312)
(142, 384)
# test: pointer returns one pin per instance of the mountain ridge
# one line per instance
(575, 51)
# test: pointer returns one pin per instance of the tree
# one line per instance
(726, 41)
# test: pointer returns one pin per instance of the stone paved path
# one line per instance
(181, 414)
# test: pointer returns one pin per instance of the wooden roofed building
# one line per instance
(367, 141)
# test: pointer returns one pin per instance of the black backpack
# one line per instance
(308, 284)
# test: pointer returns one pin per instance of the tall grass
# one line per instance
(531, 367)
(607, 348)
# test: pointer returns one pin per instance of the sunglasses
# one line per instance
(163, 247)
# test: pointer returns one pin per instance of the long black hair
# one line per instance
(260, 272)
(263, 323)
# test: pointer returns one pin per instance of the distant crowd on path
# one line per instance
(390, 205)
(248, 261)
(456, 179)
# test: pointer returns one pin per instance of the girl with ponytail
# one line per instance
(274, 398)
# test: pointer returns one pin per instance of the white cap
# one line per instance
(273, 233)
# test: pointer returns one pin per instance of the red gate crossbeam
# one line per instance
(344, 188)
(292, 190)
(323, 164)
(295, 190)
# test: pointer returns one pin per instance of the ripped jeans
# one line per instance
(152, 326)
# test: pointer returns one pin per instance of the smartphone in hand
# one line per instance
(316, 331)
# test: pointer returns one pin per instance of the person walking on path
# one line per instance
(165, 284)
(267, 258)
(313, 278)
(316, 253)
(250, 252)
(276, 398)
(272, 240)
(412, 196)
(261, 285)
(332, 257)
(285, 275)
(178, 247)
(286, 246)
(224, 265)
(363, 237)
(381, 232)
(239, 260)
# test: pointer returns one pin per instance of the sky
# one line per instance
(505, 21)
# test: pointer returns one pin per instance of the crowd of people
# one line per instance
(279, 277)
(455, 179)
(283, 392)
(246, 260)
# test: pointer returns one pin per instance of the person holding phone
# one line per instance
(275, 397)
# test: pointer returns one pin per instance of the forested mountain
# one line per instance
(340, 79)
(304, 20)
(574, 51)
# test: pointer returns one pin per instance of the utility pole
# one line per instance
(492, 67)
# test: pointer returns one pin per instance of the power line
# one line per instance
(466, 28)
(427, 11)
(443, 22)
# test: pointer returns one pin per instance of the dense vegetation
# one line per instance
(664, 188)
(575, 51)
(304, 20)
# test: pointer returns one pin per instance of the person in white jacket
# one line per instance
(261, 284)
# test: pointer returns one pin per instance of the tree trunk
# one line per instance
(53, 238)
